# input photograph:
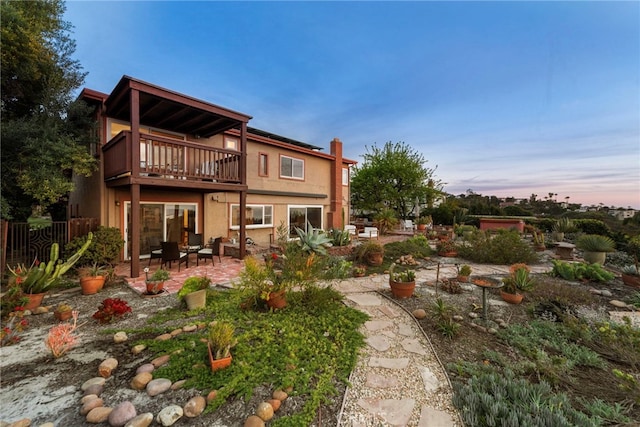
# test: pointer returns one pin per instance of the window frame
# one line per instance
(345, 176)
(262, 155)
(293, 160)
(231, 143)
(250, 226)
(292, 233)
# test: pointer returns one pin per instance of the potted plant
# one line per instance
(370, 252)
(463, 273)
(155, 283)
(446, 248)
(261, 284)
(562, 226)
(63, 312)
(40, 277)
(538, 240)
(220, 340)
(92, 278)
(402, 283)
(518, 280)
(423, 221)
(194, 291)
(595, 247)
(359, 271)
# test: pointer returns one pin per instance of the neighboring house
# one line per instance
(622, 213)
(171, 164)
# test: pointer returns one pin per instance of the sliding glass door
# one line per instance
(161, 222)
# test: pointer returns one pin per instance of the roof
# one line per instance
(167, 109)
(280, 138)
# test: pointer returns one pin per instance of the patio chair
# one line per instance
(353, 231)
(155, 248)
(171, 252)
(195, 242)
(209, 253)
(369, 233)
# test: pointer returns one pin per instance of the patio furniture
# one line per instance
(171, 252)
(353, 231)
(369, 233)
(155, 248)
(209, 253)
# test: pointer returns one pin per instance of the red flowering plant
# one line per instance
(10, 333)
(111, 308)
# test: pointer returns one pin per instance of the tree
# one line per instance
(393, 177)
(44, 134)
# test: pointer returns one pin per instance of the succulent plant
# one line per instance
(595, 243)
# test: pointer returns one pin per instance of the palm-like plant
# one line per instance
(595, 243)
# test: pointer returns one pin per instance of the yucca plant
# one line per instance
(595, 243)
(564, 225)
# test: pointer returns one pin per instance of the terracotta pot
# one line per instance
(422, 226)
(154, 288)
(511, 298)
(631, 280)
(375, 259)
(595, 257)
(540, 248)
(62, 315)
(277, 300)
(197, 299)
(35, 300)
(463, 279)
(218, 364)
(402, 289)
(91, 285)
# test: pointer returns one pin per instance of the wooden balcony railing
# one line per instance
(171, 159)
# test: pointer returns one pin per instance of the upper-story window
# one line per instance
(263, 164)
(231, 143)
(291, 168)
(345, 176)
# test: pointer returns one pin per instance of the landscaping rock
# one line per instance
(280, 395)
(120, 337)
(25, 422)
(88, 397)
(617, 303)
(147, 367)
(140, 381)
(275, 404)
(190, 328)
(169, 415)
(160, 361)
(99, 381)
(159, 386)
(164, 337)
(142, 420)
(47, 425)
(212, 395)
(107, 366)
(264, 411)
(254, 421)
(95, 389)
(137, 349)
(121, 414)
(178, 385)
(99, 415)
(419, 313)
(194, 406)
(91, 404)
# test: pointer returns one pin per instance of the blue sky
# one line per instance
(505, 98)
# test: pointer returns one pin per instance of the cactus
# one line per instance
(40, 277)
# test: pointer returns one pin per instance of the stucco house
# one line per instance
(171, 164)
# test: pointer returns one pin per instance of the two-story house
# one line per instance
(171, 164)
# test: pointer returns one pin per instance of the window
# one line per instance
(257, 216)
(263, 164)
(231, 143)
(291, 168)
(300, 215)
(345, 176)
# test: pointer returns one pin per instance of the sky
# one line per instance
(501, 98)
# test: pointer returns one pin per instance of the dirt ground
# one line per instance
(34, 385)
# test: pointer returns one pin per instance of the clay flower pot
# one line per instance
(218, 364)
(35, 300)
(402, 289)
(62, 315)
(197, 299)
(91, 284)
(511, 298)
(277, 300)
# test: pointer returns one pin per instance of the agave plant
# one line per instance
(564, 225)
(595, 243)
(313, 240)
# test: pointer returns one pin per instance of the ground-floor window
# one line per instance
(160, 222)
(300, 215)
(256, 216)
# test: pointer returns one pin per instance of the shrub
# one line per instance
(506, 247)
(417, 246)
(105, 248)
(339, 237)
(580, 271)
(501, 399)
(592, 226)
(595, 243)
(111, 308)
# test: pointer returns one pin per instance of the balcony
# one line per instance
(166, 162)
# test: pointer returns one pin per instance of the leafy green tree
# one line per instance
(393, 177)
(44, 134)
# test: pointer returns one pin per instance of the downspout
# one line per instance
(135, 188)
(243, 194)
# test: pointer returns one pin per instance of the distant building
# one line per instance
(622, 214)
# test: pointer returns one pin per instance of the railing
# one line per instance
(171, 159)
(25, 242)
